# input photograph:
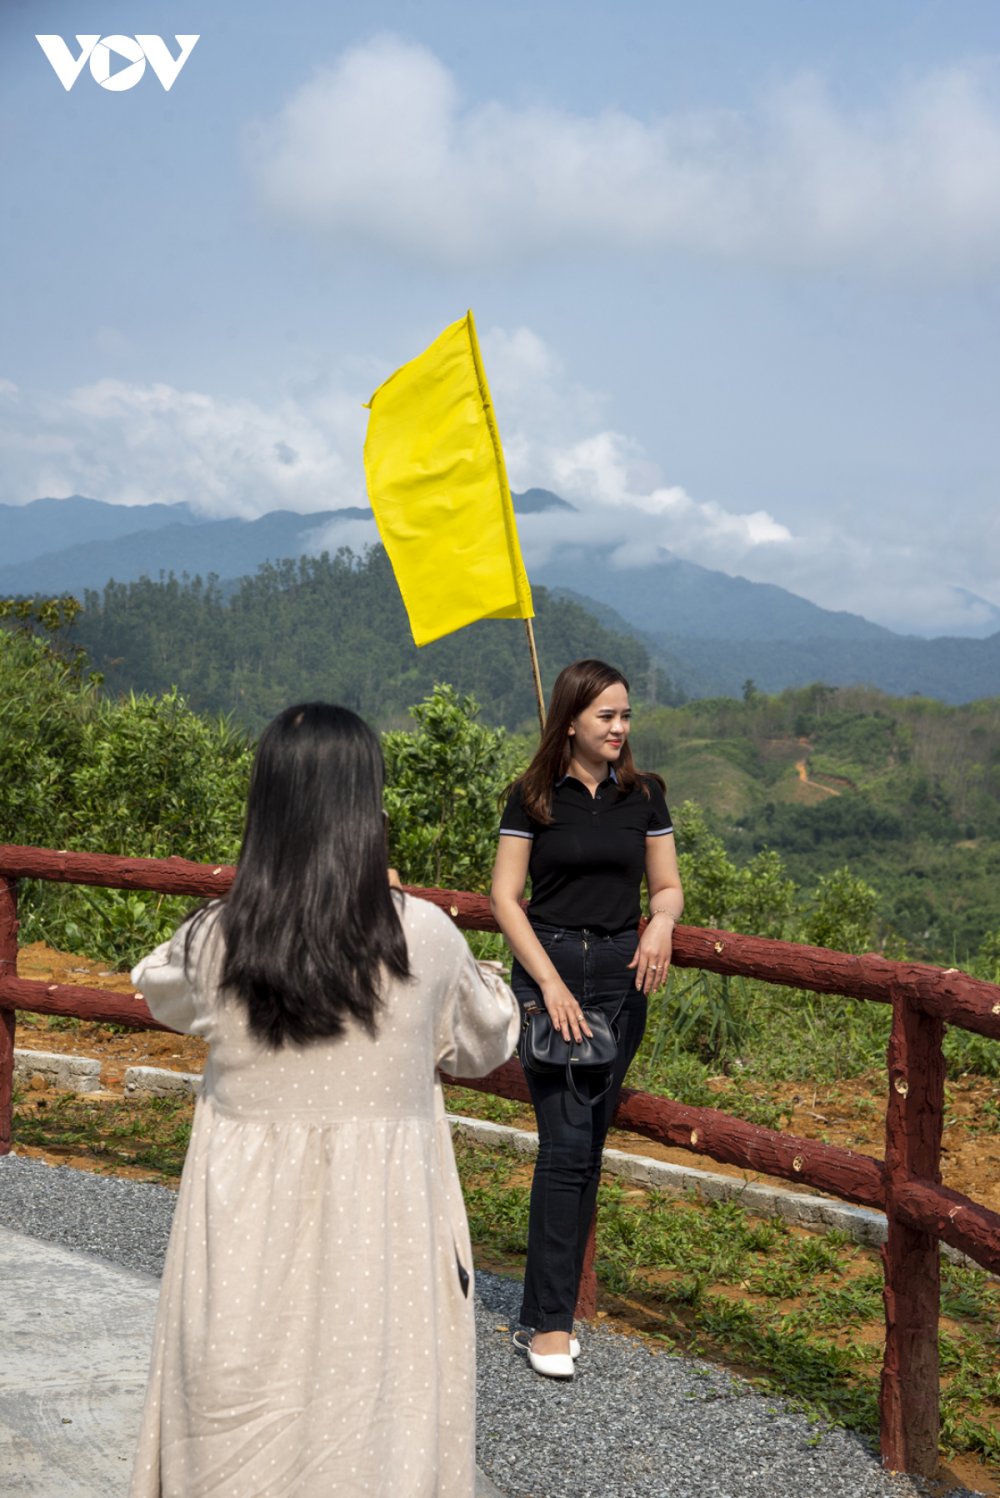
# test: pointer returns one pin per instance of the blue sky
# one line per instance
(735, 267)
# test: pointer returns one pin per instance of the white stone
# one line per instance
(817, 1213)
(156, 1081)
(67, 1073)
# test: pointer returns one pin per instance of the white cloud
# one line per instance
(358, 535)
(617, 494)
(943, 583)
(136, 444)
(556, 437)
(382, 149)
(539, 407)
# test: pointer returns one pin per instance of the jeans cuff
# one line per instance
(540, 1321)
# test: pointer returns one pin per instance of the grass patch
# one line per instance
(148, 1136)
(989, 1118)
(760, 1030)
(799, 1314)
(475, 1104)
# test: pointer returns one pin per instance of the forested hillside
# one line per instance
(905, 790)
(331, 627)
(705, 630)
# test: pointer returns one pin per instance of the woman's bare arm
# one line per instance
(510, 874)
(666, 905)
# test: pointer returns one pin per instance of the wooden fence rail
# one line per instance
(906, 1184)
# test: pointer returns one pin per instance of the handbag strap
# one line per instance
(621, 1005)
(594, 1098)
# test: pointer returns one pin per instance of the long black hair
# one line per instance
(311, 928)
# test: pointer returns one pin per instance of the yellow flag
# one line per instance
(438, 486)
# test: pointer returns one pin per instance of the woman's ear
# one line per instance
(570, 731)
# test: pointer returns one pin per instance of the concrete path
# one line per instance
(76, 1334)
(79, 1260)
(76, 1338)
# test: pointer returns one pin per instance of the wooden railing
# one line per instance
(921, 1212)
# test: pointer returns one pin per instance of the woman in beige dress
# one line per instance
(315, 1328)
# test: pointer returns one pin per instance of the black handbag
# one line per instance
(543, 1049)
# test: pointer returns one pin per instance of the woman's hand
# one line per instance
(565, 1011)
(652, 955)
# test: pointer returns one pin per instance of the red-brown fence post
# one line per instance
(8, 969)
(909, 1398)
(586, 1295)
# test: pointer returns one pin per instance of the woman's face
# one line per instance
(599, 731)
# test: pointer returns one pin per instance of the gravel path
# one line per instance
(633, 1422)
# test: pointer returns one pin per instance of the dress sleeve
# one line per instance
(515, 821)
(479, 1021)
(173, 983)
(659, 814)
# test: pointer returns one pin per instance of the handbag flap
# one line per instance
(542, 1045)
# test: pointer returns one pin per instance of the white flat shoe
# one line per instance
(552, 1364)
(522, 1341)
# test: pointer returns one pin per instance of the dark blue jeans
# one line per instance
(571, 1136)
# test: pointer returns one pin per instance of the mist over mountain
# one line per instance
(984, 616)
(710, 631)
(73, 544)
(126, 542)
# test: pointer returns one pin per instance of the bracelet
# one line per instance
(664, 912)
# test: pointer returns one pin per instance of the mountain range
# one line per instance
(712, 632)
(70, 545)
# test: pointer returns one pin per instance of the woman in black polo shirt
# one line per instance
(587, 828)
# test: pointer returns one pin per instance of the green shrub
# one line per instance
(141, 775)
(443, 783)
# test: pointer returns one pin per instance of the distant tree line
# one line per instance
(916, 816)
(330, 627)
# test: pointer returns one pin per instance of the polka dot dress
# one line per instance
(312, 1336)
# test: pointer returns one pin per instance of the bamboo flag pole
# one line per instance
(536, 673)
